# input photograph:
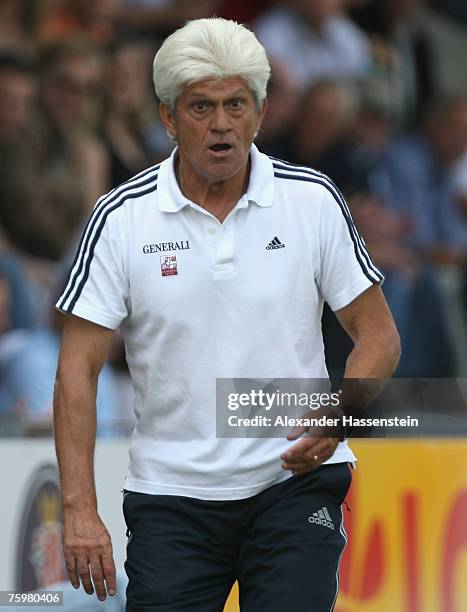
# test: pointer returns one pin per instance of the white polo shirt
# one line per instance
(198, 300)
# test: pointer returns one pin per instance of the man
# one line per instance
(56, 169)
(17, 97)
(254, 248)
(315, 39)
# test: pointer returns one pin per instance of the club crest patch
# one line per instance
(169, 265)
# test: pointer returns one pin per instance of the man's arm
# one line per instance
(86, 541)
(369, 323)
(375, 355)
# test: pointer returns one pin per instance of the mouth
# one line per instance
(220, 149)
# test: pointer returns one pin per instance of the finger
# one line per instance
(308, 454)
(294, 451)
(83, 571)
(97, 574)
(318, 458)
(297, 451)
(72, 570)
(307, 448)
(296, 432)
(296, 460)
(306, 463)
(110, 573)
(324, 449)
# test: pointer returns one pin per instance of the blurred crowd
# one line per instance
(371, 92)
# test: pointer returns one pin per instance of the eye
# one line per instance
(199, 106)
(236, 104)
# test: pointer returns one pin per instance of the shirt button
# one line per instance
(211, 231)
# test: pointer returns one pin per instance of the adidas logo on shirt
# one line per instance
(322, 517)
(275, 244)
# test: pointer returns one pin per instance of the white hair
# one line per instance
(212, 48)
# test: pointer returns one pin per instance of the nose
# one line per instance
(220, 119)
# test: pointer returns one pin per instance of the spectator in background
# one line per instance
(412, 180)
(385, 230)
(418, 182)
(454, 8)
(134, 136)
(52, 177)
(283, 100)
(27, 279)
(315, 40)
(323, 120)
(28, 363)
(157, 18)
(5, 303)
(18, 309)
(18, 99)
(18, 89)
(94, 20)
(19, 24)
(17, 314)
(426, 47)
(243, 11)
(7, 400)
(459, 182)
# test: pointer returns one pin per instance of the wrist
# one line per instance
(79, 503)
(341, 428)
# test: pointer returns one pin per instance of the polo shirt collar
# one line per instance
(260, 186)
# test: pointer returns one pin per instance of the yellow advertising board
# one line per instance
(407, 528)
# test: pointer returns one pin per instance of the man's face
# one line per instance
(448, 131)
(17, 95)
(69, 89)
(128, 83)
(214, 123)
(318, 11)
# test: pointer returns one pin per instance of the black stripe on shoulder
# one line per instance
(102, 203)
(108, 210)
(337, 195)
(363, 257)
(345, 209)
(297, 167)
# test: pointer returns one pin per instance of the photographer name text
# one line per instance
(324, 421)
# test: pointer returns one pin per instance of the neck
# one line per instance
(217, 197)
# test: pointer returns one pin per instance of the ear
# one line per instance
(168, 120)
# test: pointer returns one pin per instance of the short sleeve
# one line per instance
(346, 268)
(97, 287)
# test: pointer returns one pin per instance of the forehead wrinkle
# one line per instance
(205, 88)
(202, 95)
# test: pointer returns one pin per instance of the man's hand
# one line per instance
(310, 452)
(88, 552)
